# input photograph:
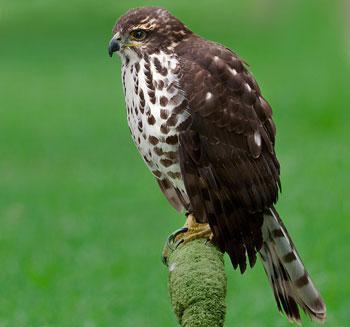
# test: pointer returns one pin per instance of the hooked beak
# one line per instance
(114, 45)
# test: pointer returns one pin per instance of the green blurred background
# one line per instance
(82, 222)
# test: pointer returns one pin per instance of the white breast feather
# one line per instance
(141, 138)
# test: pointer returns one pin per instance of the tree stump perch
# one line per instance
(197, 284)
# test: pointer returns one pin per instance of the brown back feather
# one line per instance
(227, 156)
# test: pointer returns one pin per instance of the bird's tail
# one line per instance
(290, 282)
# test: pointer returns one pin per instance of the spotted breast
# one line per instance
(156, 112)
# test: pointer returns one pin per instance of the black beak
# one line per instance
(113, 46)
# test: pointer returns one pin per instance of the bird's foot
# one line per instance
(191, 231)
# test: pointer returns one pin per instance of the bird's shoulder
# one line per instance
(224, 98)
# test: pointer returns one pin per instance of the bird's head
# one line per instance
(145, 30)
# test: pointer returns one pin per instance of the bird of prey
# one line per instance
(197, 117)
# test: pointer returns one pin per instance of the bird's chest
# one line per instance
(156, 111)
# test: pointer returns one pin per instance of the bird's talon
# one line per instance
(192, 230)
(179, 242)
(164, 259)
(171, 244)
(172, 237)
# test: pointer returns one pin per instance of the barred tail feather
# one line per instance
(290, 282)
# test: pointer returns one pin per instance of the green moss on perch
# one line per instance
(197, 284)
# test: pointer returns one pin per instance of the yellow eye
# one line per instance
(138, 35)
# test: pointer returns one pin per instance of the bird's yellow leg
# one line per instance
(194, 230)
(191, 230)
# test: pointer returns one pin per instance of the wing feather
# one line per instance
(227, 157)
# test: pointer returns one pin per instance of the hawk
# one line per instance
(197, 117)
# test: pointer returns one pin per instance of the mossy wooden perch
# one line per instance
(197, 284)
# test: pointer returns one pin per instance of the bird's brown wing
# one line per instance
(227, 157)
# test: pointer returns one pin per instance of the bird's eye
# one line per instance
(138, 35)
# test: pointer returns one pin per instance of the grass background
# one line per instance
(82, 222)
